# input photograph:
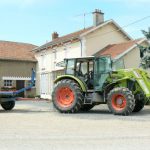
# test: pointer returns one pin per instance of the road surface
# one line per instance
(36, 125)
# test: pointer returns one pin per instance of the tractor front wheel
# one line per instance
(121, 101)
(67, 96)
(8, 105)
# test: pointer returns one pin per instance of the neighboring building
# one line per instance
(125, 54)
(16, 62)
(85, 42)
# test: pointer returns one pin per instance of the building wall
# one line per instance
(10, 68)
(101, 38)
(132, 59)
(46, 65)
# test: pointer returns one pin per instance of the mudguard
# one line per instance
(81, 83)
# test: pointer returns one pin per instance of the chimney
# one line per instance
(55, 35)
(98, 17)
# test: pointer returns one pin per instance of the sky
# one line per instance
(33, 21)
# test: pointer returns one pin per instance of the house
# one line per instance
(16, 62)
(126, 54)
(85, 42)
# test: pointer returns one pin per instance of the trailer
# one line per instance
(8, 98)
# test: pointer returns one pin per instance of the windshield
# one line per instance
(102, 68)
(103, 64)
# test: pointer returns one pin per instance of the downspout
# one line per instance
(81, 47)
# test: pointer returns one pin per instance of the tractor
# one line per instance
(90, 81)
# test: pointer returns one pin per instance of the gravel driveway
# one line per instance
(37, 126)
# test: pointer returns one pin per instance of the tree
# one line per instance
(145, 51)
(146, 33)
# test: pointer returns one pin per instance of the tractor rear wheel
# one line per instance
(87, 107)
(121, 101)
(67, 96)
(139, 103)
(8, 105)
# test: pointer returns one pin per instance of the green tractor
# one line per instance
(91, 81)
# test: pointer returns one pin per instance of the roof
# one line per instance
(76, 35)
(63, 39)
(117, 50)
(16, 51)
(109, 22)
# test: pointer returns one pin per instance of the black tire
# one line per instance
(87, 107)
(123, 96)
(8, 105)
(139, 103)
(59, 100)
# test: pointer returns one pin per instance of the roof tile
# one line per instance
(16, 51)
(116, 49)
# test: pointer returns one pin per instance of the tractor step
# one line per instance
(88, 98)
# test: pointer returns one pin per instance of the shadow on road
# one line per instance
(25, 111)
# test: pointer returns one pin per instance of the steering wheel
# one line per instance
(79, 73)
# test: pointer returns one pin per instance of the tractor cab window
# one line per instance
(84, 71)
(104, 64)
(81, 68)
(101, 71)
(70, 66)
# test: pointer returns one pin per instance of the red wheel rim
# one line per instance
(65, 96)
(119, 102)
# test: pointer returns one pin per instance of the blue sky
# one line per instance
(33, 21)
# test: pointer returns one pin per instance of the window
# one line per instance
(102, 69)
(55, 54)
(70, 66)
(81, 68)
(7, 83)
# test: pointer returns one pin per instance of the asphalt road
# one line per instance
(37, 126)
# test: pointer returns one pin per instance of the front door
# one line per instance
(20, 85)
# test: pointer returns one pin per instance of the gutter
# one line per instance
(81, 46)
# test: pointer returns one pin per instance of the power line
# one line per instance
(121, 28)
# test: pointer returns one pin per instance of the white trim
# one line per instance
(105, 23)
(128, 50)
(16, 78)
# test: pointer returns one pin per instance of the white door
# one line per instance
(45, 86)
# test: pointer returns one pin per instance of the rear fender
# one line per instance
(81, 83)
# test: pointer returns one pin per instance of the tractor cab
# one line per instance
(93, 71)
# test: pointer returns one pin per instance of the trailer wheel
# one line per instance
(87, 107)
(121, 101)
(139, 103)
(67, 96)
(8, 105)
